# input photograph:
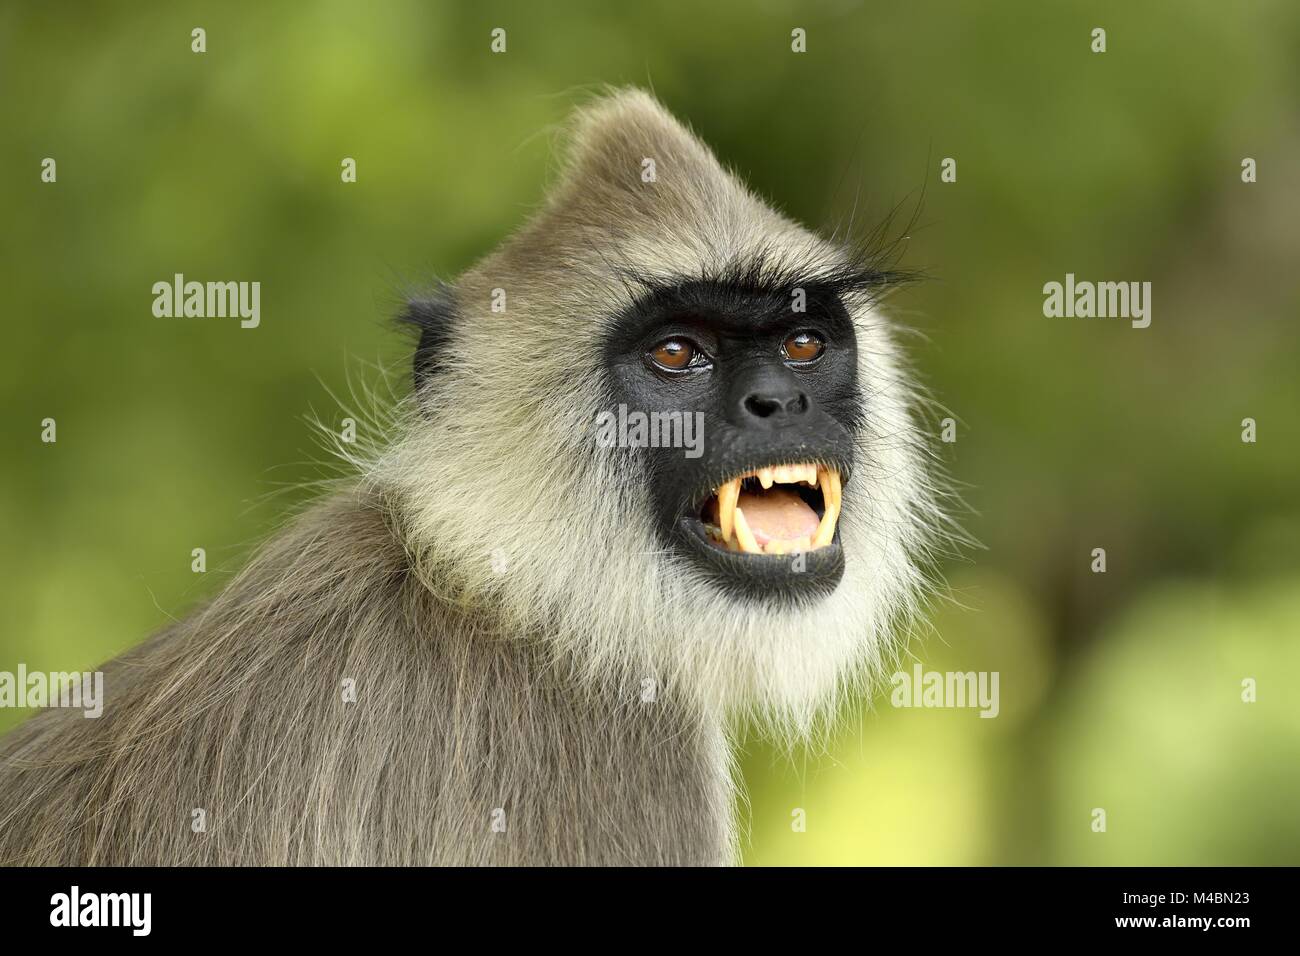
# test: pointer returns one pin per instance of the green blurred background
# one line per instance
(1119, 690)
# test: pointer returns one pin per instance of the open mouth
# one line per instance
(781, 509)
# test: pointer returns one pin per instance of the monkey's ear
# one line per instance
(432, 317)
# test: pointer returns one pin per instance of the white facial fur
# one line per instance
(505, 496)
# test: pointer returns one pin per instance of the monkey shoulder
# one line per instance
(329, 707)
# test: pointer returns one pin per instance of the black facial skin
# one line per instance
(759, 408)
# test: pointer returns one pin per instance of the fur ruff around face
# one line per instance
(498, 457)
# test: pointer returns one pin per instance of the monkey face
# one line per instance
(752, 494)
(665, 426)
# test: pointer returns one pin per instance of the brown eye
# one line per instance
(803, 347)
(674, 354)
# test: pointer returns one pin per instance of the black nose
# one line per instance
(775, 402)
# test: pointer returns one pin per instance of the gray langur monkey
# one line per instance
(522, 634)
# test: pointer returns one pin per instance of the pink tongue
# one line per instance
(777, 514)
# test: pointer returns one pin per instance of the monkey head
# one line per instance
(663, 428)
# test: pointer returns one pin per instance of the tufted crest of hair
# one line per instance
(504, 499)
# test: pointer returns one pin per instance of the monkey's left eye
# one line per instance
(677, 355)
(803, 347)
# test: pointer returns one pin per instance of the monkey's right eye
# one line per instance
(677, 355)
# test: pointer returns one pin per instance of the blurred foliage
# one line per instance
(1118, 690)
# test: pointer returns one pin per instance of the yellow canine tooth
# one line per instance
(765, 477)
(826, 530)
(830, 485)
(728, 494)
(744, 535)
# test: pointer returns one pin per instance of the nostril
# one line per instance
(761, 406)
(765, 406)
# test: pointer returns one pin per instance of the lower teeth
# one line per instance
(776, 547)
